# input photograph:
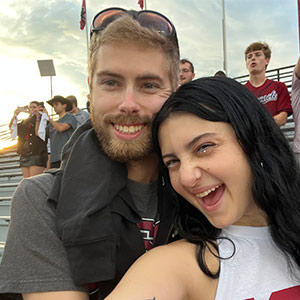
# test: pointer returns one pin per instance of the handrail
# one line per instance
(283, 74)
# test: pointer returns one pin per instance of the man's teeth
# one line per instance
(128, 129)
(201, 195)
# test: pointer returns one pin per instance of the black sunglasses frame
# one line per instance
(135, 14)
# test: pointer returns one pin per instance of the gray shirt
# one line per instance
(34, 259)
(81, 116)
(58, 139)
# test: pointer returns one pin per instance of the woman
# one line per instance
(236, 189)
(32, 149)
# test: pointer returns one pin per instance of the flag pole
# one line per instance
(145, 4)
(87, 35)
(224, 37)
(299, 22)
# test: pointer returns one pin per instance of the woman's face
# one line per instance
(209, 169)
(33, 108)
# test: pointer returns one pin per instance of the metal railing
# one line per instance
(283, 74)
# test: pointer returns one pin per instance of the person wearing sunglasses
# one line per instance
(106, 205)
(235, 184)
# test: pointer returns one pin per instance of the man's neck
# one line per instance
(75, 111)
(257, 79)
(62, 114)
(143, 171)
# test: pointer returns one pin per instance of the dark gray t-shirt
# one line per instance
(145, 199)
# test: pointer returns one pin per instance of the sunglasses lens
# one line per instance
(106, 17)
(155, 21)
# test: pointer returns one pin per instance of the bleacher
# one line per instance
(10, 172)
(10, 176)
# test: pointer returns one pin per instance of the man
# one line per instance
(60, 130)
(186, 71)
(296, 109)
(80, 115)
(272, 94)
(103, 210)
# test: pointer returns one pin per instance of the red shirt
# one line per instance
(273, 95)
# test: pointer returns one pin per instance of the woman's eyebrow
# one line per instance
(189, 145)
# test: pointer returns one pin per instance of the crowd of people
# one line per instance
(197, 168)
(40, 137)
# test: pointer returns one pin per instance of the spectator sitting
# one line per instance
(186, 71)
(80, 115)
(272, 94)
(296, 109)
(61, 130)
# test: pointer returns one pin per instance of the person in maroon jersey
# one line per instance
(272, 94)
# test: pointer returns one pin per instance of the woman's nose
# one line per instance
(190, 175)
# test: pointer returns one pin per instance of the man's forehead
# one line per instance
(256, 51)
(185, 65)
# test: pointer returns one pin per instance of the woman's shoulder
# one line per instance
(167, 272)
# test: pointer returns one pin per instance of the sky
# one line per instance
(49, 29)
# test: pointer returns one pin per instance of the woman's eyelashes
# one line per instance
(203, 148)
(170, 163)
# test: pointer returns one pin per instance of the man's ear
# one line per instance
(267, 61)
(193, 76)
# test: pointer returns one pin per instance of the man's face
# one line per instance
(58, 107)
(129, 86)
(186, 75)
(256, 62)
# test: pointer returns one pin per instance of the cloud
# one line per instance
(49, 29)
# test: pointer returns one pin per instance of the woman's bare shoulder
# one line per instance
(166, 272)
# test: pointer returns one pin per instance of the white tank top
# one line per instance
(257, 270)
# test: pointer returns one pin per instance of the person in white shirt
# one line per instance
(295, 98)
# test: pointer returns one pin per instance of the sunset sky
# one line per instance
(49, 29)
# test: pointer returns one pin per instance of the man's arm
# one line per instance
(34, 259)
(59, 126)
(63, 295)
(297, 69)
(280, 119)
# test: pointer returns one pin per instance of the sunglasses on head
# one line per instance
(146, 18)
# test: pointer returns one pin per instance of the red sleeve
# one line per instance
(284, 100)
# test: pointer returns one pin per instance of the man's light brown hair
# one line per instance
(258, 46)
(129, 30)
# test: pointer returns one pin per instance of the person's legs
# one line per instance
(25, 172)
(35, 170)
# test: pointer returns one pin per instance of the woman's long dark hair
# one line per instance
(276, 177)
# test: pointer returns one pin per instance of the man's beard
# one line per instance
(122, 150)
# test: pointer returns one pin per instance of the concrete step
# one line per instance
(9, 159)
(5, 199)
(4, 221)
(7, 189)
(13, 166)
(5, 208)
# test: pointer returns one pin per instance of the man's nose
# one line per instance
(129, 102)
